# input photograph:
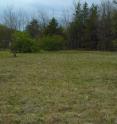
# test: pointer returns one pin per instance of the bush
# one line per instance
(114, 45)
(52, 43)
(5, 37)
(22, 43)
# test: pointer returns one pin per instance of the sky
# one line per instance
(57, 6)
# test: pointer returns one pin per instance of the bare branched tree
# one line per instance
(43, 19)
(9, 18)
(66, 18)
(15, 19)
(21, 19)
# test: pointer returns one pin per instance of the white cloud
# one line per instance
(36, 2)
(46, 5)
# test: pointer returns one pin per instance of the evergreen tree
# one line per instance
(93, 28)
(85, 19)
(85, 13)
(33, 29)
(114, 24)
(105, 27)
(75, 28)
(53, 28)
(5, 37)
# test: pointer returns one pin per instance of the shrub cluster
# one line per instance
(50, 43)
(114, 43)
(22, 43)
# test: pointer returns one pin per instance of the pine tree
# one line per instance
(53, 28)
(85, 19)
(78, 27)
(33, 29)
(93, 27)
(114, 24)
(75, 29)
(105, 27)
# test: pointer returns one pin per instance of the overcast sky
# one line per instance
(45, 5)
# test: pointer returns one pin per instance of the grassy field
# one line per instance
(58, 88)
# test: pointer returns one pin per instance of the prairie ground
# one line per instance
(67, 87)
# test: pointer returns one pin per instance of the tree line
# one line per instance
(89, 28)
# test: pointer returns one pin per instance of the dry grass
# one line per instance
(58, 88)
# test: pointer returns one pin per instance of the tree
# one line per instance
(77, 30)
(114, 23)
(14, 20)
(53, 28)
(105, 26)
(92, 28)
(33, 28)
(85, 13)
(5, 37)
(10, 19)
(43, 20)
(66, 19)
(84, 22)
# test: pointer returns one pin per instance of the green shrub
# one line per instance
(22, 43)
(114, 45)
(52, 43)
(5, 37)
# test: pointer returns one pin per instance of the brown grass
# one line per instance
(58, 88)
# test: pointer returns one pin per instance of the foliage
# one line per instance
(22, 43)
(5, 37)
(93, 27)
(78, 27)
(54, 42)
(33, 29)
(114, 23)
(114, 42)
(53, 28)
(90, 28)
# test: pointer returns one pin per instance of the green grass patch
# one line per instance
(67, 87)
